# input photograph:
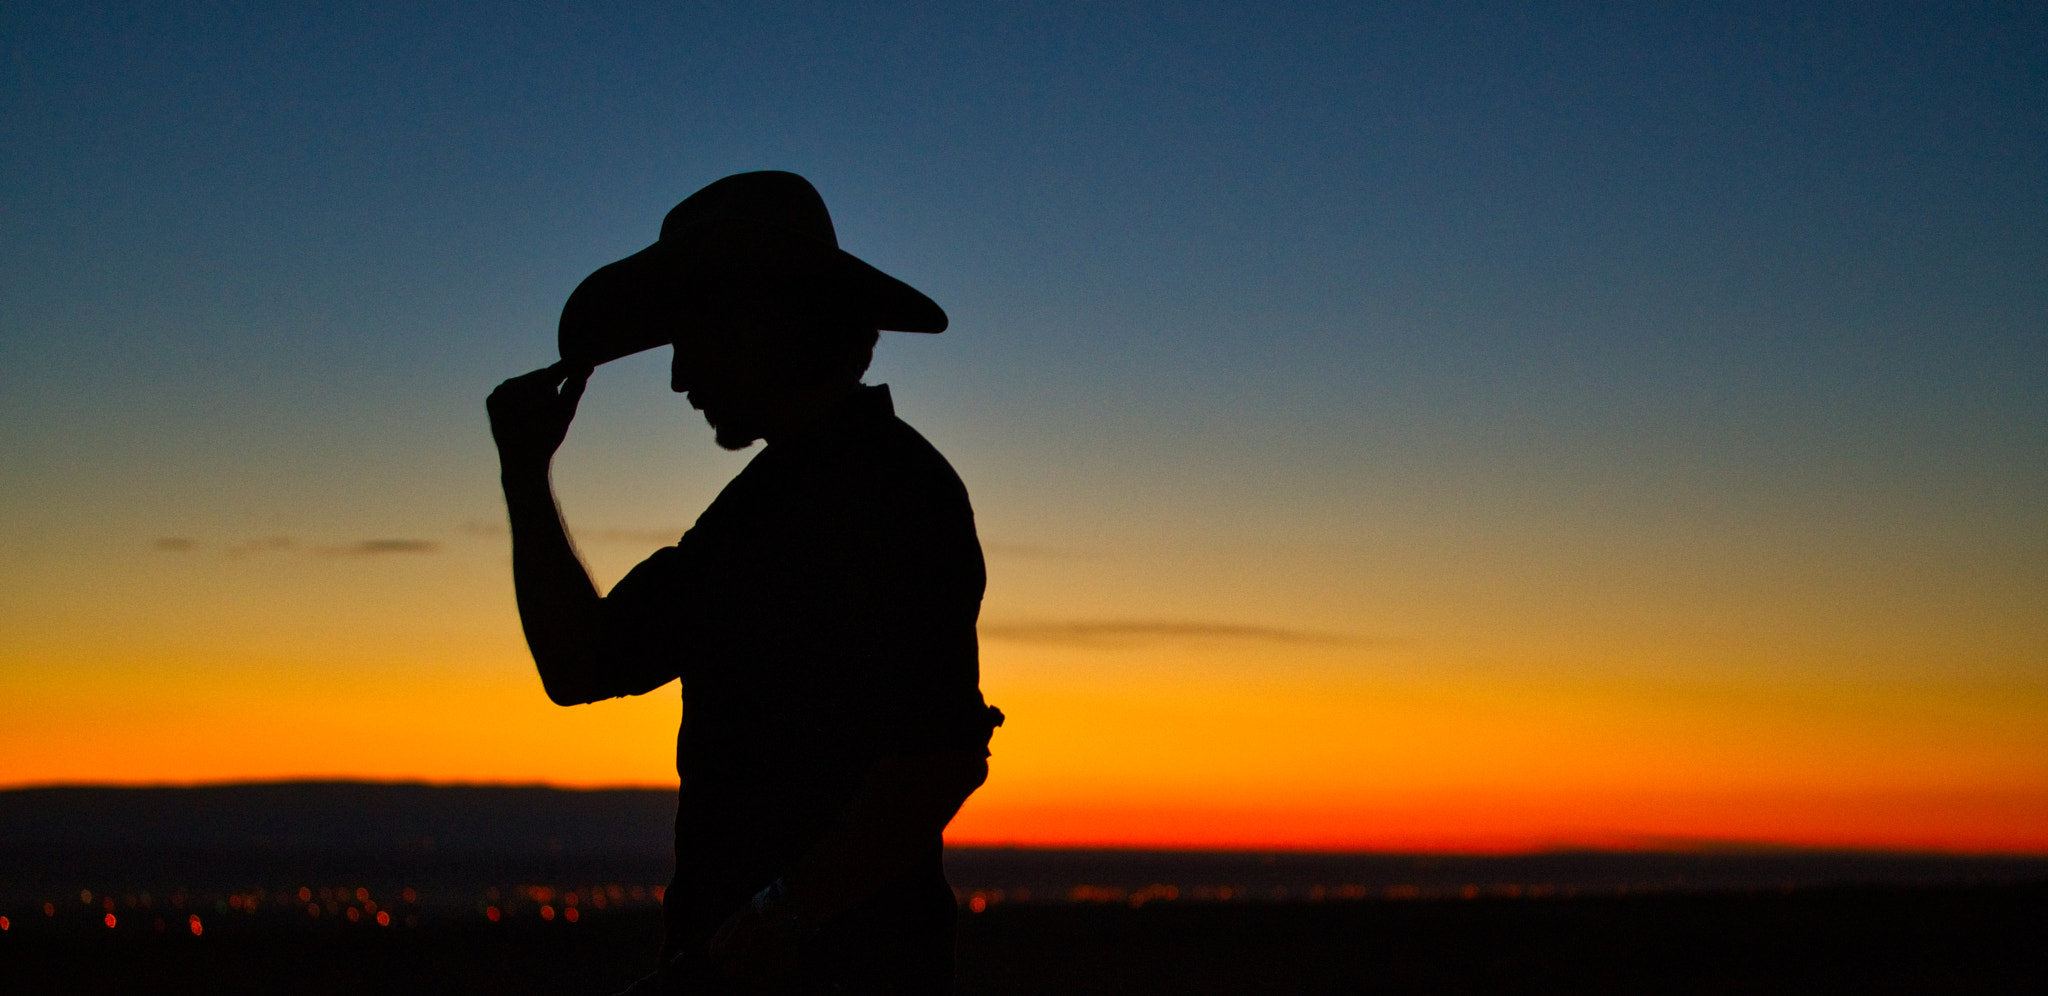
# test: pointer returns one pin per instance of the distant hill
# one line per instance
(345, 816)
(58, 838)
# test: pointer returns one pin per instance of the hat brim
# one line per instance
(649, 298)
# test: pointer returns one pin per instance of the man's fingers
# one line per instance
(547, 376)
(575, 380)
(557, 379)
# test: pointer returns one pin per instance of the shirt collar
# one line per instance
(863, 406)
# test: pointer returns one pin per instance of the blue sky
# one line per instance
(1604, 238)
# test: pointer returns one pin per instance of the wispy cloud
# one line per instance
(381, 547)
(657, 536)
(1123, 633)
(285, 544)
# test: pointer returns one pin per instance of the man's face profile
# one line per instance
(722, 373)
(762, 356)
(739, 371)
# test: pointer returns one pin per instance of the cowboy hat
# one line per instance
(768, 227)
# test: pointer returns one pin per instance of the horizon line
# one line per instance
(1607, 844)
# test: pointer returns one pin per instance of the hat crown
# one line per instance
(767, 197)
(769, 222)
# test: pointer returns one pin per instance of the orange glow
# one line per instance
(571, 914)
(110, 921)
(1508, 822)
(547, 912)
(197, 928)
(383, 919)
(1627, 730)
(1183, 752)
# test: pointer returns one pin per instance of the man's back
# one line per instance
(821, 615)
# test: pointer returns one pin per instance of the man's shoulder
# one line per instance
(892, 453)
(908, 449)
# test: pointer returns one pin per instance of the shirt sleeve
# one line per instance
(641, 619)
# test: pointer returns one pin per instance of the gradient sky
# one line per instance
(1440, 425)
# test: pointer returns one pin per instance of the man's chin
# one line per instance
(733, 437)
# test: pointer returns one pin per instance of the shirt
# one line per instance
(821, 615)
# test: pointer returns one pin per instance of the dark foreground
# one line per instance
(1846, 939)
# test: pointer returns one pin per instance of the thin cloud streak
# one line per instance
(1111, 633)
(380, 547)
(661, 536)
(285, 544)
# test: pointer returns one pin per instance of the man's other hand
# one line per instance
(530, 414)
(757, 947)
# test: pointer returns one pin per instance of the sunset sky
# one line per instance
(1430, 426)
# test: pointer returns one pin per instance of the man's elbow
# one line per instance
(566, 687)
(569, 697)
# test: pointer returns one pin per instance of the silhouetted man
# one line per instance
(820, 613)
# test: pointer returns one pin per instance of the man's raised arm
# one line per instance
(558, 605)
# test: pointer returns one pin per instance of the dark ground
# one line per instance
(1851, 939)
(276, 871)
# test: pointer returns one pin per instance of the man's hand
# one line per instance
(530, 414)
(757, 947)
